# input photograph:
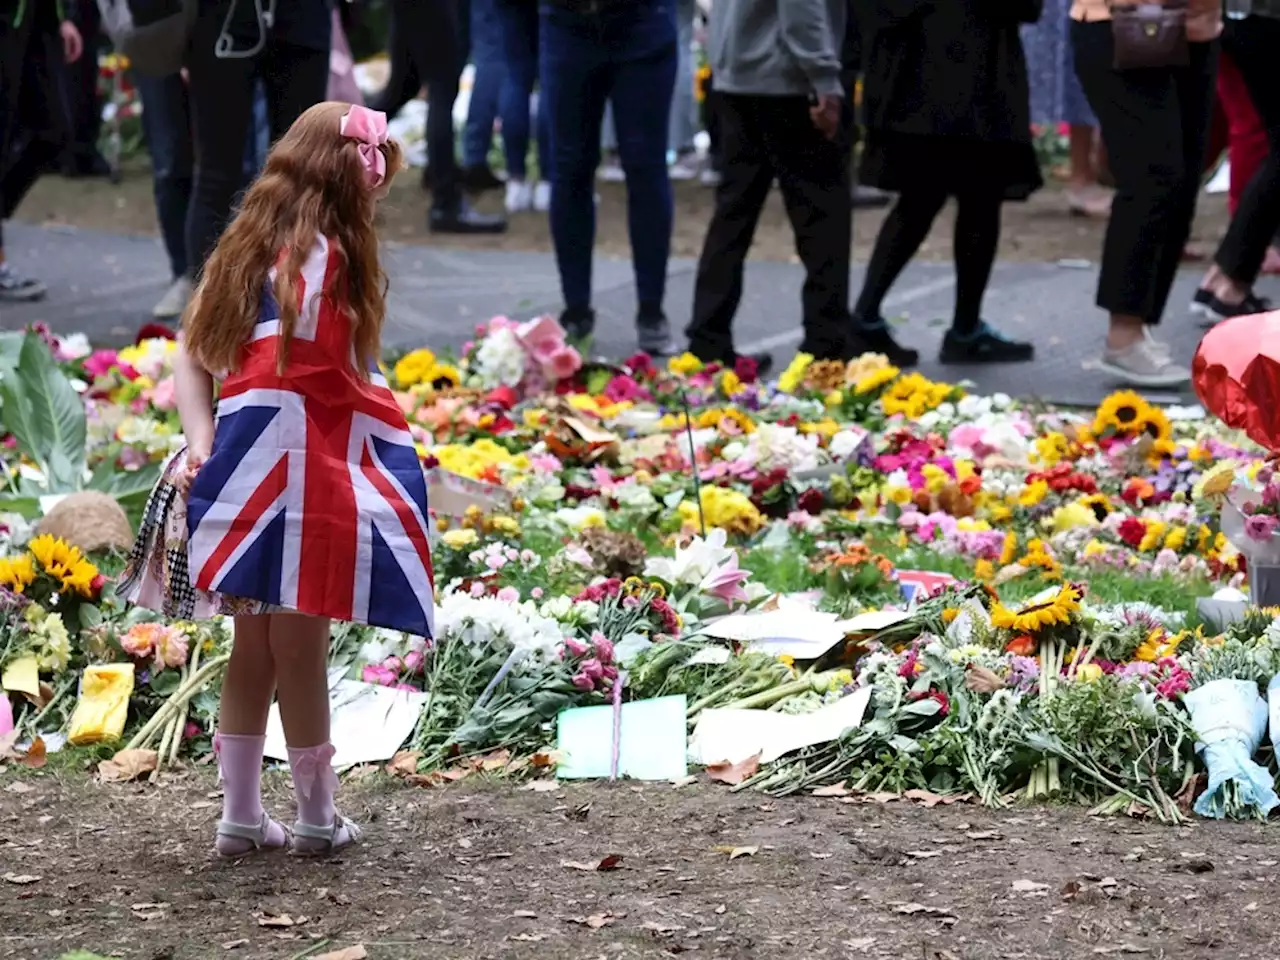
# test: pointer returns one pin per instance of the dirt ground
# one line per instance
(1038, 231)
(496, 871)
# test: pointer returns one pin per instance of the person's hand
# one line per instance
(196, 457)
(72, 42)
(825, 114)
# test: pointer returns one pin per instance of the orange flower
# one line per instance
(1022, 646)
(971, 485)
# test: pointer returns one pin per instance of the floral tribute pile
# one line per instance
(1014, 588)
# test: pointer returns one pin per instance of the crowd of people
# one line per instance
(1151, 96)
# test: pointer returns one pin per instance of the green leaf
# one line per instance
(46, 416)
(27, 507)
(127, 485)
(10, 347)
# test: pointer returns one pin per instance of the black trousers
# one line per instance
(1253, 44)
(32, 121)
(80, 91)
(764, 139)
(221, 96)
(1155, 125)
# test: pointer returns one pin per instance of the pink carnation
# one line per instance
(99, 363)
(564, 363)
(603, 647)
(575, 647)
(583, 682)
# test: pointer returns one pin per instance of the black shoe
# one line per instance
(984, 345)
(91, 167)
(466, 220)
(877, 339)
(870, 198)
(1214, 310)
(578, 322)
(481, 178)
(654, 333)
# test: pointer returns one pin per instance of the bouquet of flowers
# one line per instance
(526, 357)
(57, 576)
(1230, 718)
(1251, 521)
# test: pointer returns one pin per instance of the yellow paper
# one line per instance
(104, 704)
(22, 676)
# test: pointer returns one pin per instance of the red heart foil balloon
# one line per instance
(1236, 375)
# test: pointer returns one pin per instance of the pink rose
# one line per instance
(592, 668)
(583, 682)
(575, 647)
(541, 333)
(414, 660)
(603, 647)
(99, 363)
(564, 363)
(1260, 526)
(163, 394)
(509, 595)
(394, 664)
(379, 675)
(610, 673)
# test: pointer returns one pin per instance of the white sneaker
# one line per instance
(611, 172)
(519, 196)
(1145, 363)
(542, 196)
(174, 302)
(686, 167)
(17, 288)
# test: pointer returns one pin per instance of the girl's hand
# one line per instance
(72, 43)
(195, 460)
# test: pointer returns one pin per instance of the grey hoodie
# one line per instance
(777, 47)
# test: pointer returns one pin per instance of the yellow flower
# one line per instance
(17, 573)
(1216, 481)
(1154, 536)
(866, 365)
(684, 365)
(833, 399)
(1121, 412)
(442, 376)
(1038, 616)
(793, 376)
(1155, 424)
(1072, 515)
(723, 508)
(935, 477)
(1157, 645)
(1051, 448)
(458, 539)
(914, 395)
(716, 415)
(1089, 672)
(899, 495)
(730, 383)
(1009, 549)
(1177, 538)
(478, 458)
(65, 563)
(413, 367)
(875, 379)
(1033, 493)
(1094, 548)
(984, 570)
(508, 526)
(1099, 505)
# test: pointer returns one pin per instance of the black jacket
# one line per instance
(47, 14)
(948, 68)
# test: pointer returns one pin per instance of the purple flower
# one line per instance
(1260, 526)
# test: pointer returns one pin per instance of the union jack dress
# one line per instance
(313, 499)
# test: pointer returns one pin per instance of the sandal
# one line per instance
(258, 837)
(312, 841)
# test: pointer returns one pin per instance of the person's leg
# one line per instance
(740, 197)
(574, 79)
(404, 82)
(519, 50)
(84, 104)
(1141, 125)
(977, 236)
(1247, 143)
(683, 125)
(644, 45)
(1251, 45)
(486, 89)
(166, 124)
(813, 175)
(300, 648)
(221, 98)
(247, 689)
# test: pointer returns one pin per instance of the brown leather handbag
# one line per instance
(1150, 36)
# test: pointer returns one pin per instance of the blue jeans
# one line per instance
(520, 47)
(625, 54)
(488, 84)
(166, 124)
(684, 108)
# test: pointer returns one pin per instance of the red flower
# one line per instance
(640, 365)
(812, 501)
(1022, 646)
(504, 397)
(153, 331)
(96, 584)
(746, 368)
(943, 701)
(1132, 530)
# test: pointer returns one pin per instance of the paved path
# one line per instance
(105, 285)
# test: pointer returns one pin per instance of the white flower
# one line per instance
(773, 445)
(846, 443)
(692, 564)
(74, 346)
(500, 360)
(634, 496)
(152, 435)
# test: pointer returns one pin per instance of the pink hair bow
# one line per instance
(369, 128)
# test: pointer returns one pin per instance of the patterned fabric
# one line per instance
(156, 575)
(313, 498)
(1056, 96)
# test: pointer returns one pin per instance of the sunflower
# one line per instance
(1099, 503)
(875, 380)
(17, 573)
(1038, 616)
(443, 376)
(1154, 423)
(1121, 412)
(1159, 644)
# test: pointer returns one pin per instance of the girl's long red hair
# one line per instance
(313, 183)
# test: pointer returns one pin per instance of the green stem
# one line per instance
(179, 697)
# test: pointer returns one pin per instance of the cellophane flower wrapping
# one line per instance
(1256, 534)
(1230, 719)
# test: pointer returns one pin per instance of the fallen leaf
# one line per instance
(684, 782)
(127, 765)
(944, 955)
(579, 813)
(737, 852)
(983, 835)
(279, 920)
(235, 944)
(734, 773)
(36, 756)
(924, 854)
(498, 760)
(820, 856)
(546, 758)
(404, 763)
(862, 944)
(596, 921)
(527, 937)
(608, 863)
(1200, 866)
(1107, 882)
(835, 790)
(1029, 886)
(21, 879)
(19, 787)
(525, 915)
(926, 797)
(1121, 948)
(543, 786)
(662, 929)
(1071, 890)
(913, 909)
(358, 952)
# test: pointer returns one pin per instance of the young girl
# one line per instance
(304, 500)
